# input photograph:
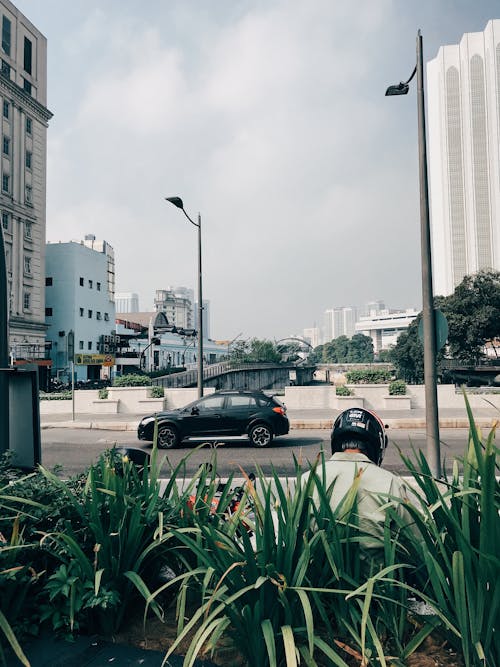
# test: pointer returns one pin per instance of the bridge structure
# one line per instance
(485, 373)
(227, 375)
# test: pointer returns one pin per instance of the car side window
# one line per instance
(241, 402)
(210, 403)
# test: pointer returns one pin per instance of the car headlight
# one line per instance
(146, 421)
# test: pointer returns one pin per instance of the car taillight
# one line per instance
(279, 410)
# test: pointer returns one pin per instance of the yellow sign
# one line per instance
(94, 359)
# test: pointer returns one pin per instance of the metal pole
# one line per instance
(4, 352)
(428, 313)
(200, 315)
(72, 390)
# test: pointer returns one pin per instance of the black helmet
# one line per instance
(363, 425)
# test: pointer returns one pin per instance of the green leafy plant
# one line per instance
(342, 390)
(397, 388)
(103, 393)
(157, 392)
(132, 380)
(455, 547)
(56, 396)
(368, 376)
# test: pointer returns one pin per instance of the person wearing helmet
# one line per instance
(358, 444)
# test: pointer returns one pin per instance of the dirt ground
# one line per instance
(159, 635)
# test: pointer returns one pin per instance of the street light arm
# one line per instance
(177, 201)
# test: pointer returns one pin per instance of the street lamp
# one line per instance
(177, 201)
(4, 352)
(428, 313)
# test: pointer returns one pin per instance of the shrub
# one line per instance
(103, 393)
(157, 392)
(342, 390)
(369, 376)
(397, 388)
(56, 396)
(132, 381)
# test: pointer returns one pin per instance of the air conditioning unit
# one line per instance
(106, 339)
(105, 348)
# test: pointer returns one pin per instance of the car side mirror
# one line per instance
(195, 410)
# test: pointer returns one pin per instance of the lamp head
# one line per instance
(176, 201)
(400, 89)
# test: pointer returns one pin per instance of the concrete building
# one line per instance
(385, 327)
(127, 302)
(24, 122)
(339, 322)
(463, 96)
(80, 308)
(312, 335)
(177, 304)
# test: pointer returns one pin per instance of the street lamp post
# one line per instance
(177, 201)
(428, 312)
(4, 352)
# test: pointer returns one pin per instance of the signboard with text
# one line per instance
(94, 359)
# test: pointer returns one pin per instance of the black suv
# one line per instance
(222, 413)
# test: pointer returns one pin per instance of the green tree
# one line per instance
(473, 313)
(255, 351)
(360, 349)
(408, 354)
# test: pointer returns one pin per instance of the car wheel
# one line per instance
(168, 437)
(260, 435)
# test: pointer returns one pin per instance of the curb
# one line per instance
(298, 424)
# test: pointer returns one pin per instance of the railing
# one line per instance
(190, 378)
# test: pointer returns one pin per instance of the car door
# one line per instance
(239, 411)
(205, 417)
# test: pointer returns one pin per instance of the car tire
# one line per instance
(168, 436)
(260, 435)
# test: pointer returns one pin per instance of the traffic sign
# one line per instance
(441, 329)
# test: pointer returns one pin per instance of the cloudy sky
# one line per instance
(269, 118)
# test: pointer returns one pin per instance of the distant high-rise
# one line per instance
(463, 92)
(340, 322)
(127, 302)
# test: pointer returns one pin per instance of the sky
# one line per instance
(268, 117)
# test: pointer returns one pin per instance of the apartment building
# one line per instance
(23, 142)
(463, 94)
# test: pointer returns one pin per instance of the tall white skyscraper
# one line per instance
(463, 93)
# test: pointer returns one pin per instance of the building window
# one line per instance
(27, 301)
(80, 344)
(6, 146)
(29, 126)
(27, 86)
(29, 159)
(48, 312)
(91, 284)
(48, 281)
(6, 109)
(82, 311)
(27, 230)
(6, 31)
(90, 314)
(98, 315)
(29, 194)
(27, 265)
(89, 345)
(5, 183)
(6, 220)
(28, 51)
(5, 69)
(106, 317)
(81, 282)
(98, 286)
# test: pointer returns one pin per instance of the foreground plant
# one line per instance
(457, 542)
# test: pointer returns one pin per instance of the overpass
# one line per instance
(227, 375)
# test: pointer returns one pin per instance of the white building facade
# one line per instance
(80, 308)
(127, 302)
(385, 327)
(463, 93)
(24, 122)
(339, 322)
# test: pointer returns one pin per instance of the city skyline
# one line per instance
(268, 118)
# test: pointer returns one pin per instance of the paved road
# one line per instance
(75, 449)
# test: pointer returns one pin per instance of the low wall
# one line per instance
(376, 397)
(122, 400)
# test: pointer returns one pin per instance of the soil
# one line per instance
(158, 635)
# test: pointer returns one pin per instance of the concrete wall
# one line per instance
(376, 397)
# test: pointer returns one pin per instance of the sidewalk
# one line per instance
(299, 419)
